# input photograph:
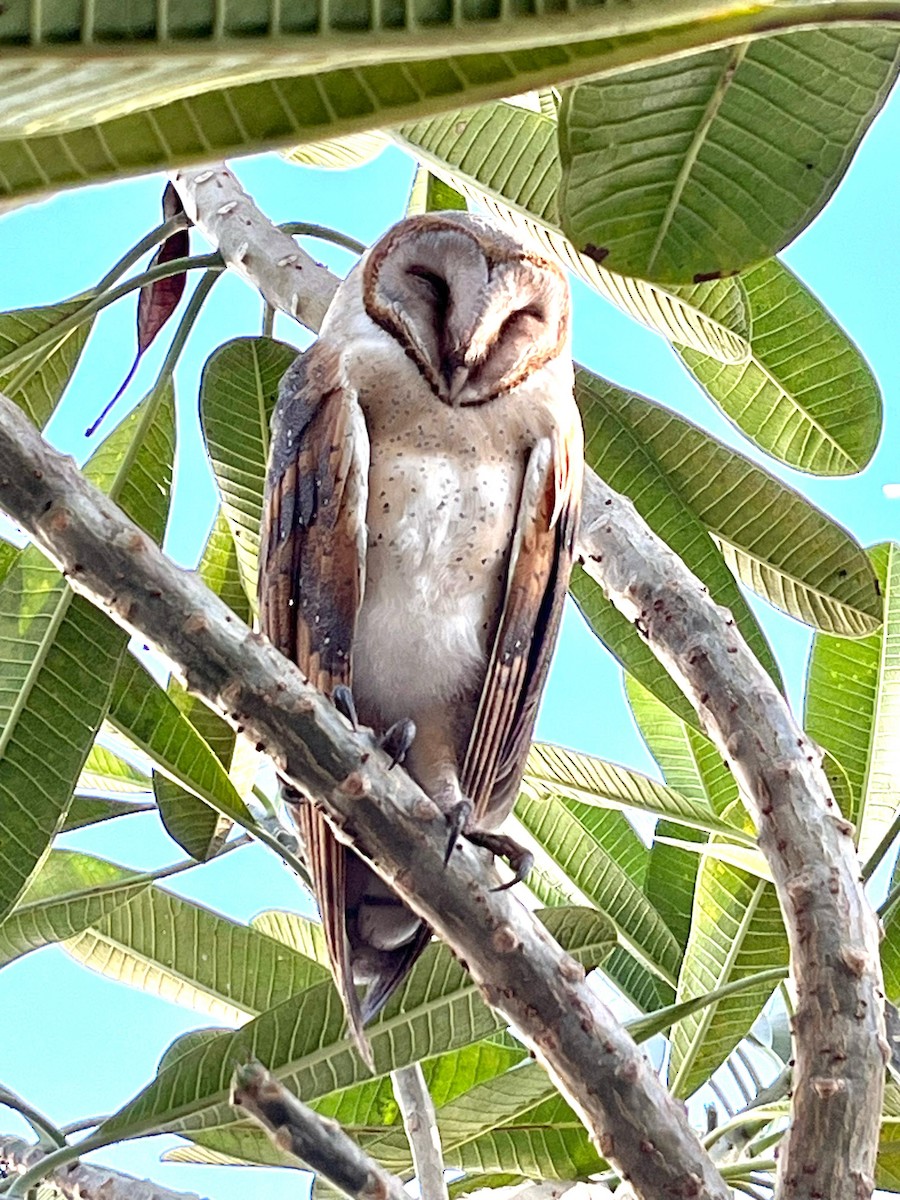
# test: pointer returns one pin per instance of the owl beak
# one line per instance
(455, 372)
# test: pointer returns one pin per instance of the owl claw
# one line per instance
(342, 699)
(457, 818)
(397, 740)
(519, 859)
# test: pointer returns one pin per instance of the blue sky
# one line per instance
(85, 1045)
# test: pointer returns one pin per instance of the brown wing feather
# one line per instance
(312, 559)
(538, 577)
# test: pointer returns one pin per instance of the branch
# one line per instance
(316, 1141)
(840, 1047)
(420, 1122)
(78, 1181)
(833, 934)
(519, 969)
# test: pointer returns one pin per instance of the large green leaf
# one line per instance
(91, 810)
(196, 827)
(437, 1009)
(105, 772)
(38, 385)
(853, 707)
(369, 1111)
(554, 770)
(774, 540)
(59, 655)
(690, 764)
(189, 955)
(145, 713)
(237, 396)
(506, 158)
(806, 396)
(604, 858)
(622, 458)
(666, 176)
(240, 78)
(736, 931)
(69, 893)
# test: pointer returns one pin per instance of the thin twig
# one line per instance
(315, 1140)
(420, 1122)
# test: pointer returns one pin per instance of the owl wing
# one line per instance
(536, 584)
(311, 579)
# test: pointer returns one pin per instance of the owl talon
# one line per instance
(519, 859)
(397, 740)
(342, 699)
(457, 818)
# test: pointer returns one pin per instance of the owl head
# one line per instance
(473, 307)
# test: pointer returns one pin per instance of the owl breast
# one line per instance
(439, 527)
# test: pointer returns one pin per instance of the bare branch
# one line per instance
(518, 968)
(315, 1140)
(420, 1122)
(840, 1045)
(269, 259)
(79, 1181)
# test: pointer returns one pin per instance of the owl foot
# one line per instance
(397, 740)
(342, 699)
(519, 859)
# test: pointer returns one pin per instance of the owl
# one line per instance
(421, 504)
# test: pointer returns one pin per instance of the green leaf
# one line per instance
(368, 1111)
(91, 810)
(196, 827)
(300, 933)
(554, 770)
(38, 385)
(737, 931)
(666, 176)
(70, 892)
(622, 458)
(238, 390)
(143, 711)
(505, 157)
(430, 193)
(806, 396)
(340, 154)
(437, 1009)
(276, 76)
(774, 540)
(105, 772)
(189, 955)
(646, 1027)
(604, 858)
(853, 707)
(690, 764)
(59, 655)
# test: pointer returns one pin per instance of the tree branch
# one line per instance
(839, 1038)
(316, 1141)
(519, 969)
(839, 1024)
(78, 1181)
(420, 1122)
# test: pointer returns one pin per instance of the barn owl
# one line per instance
(421, 504)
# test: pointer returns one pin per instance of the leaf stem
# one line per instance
(42, 1126)
(139, 249)
(324, 233)
(96, 303)
(52, 1162)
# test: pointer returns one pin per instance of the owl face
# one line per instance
(474, 309)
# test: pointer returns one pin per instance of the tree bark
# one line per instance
(519, 969)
